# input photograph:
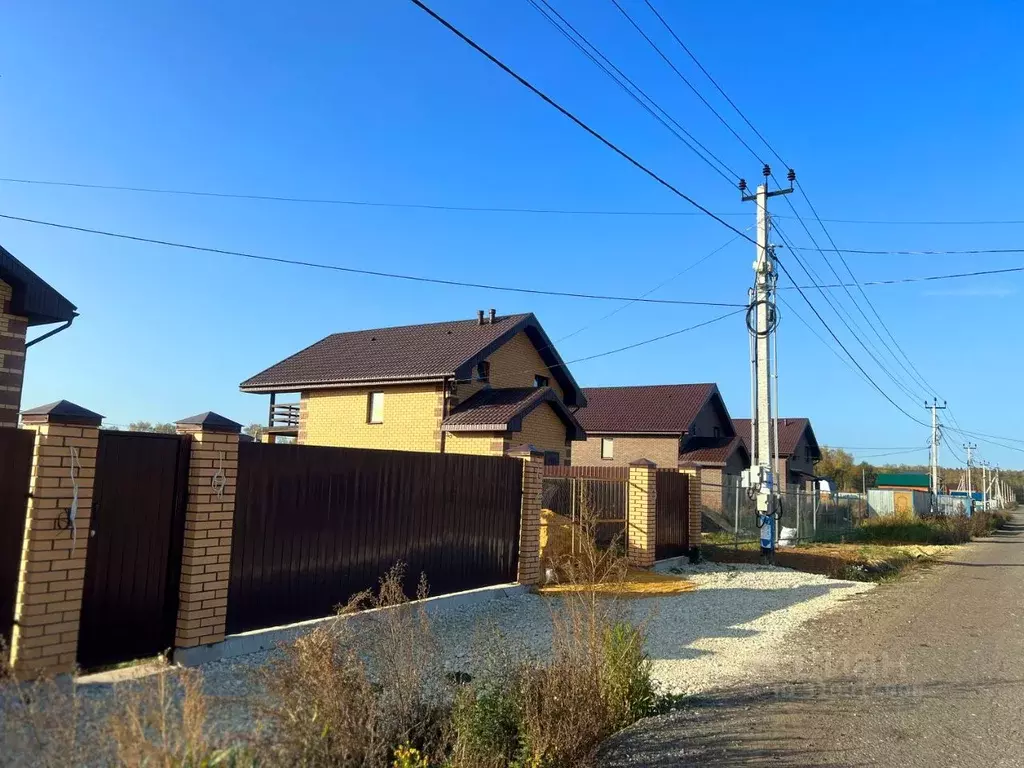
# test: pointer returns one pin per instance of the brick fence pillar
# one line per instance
(209, 518)
(529, 519)
(49, 603)
(642, 512)
(696, 498)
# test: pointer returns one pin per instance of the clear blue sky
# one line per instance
(891, 111)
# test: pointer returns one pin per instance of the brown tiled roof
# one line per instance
(711, 450)
(657, 409)
(790, 431)
(408, 353)
(502, 410)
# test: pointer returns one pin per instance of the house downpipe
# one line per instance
(48, 334)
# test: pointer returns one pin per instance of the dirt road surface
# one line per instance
(924, 672)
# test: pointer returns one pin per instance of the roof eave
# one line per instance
(299, 386)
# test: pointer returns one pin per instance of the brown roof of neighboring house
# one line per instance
(711, 451)
(790, 431)
(503, 410)
(655, 409)
(428, 352)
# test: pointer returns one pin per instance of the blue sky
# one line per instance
(887, 111)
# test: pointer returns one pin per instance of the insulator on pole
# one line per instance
(791, 175)
(743, 185)
(767, 170)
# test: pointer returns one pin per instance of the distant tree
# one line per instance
(837, 464)
(145, 426)
(255, 431)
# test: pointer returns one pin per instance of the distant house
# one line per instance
(26, 300)
(798, 449)
(483, 386)
(673, 425)
(904, 481)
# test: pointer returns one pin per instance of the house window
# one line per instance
(552, 458)
(483, 371)
(807, 453)
(607, 448)
(540, 381)
(375, 408)
(717, 432)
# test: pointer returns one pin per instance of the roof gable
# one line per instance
(790, 433)
(33, 297)
(501, 410)
(427, 352)
(654, 409)
(713, 451)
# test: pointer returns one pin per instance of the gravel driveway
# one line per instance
(699, 640)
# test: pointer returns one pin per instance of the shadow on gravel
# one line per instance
(769, 725)
(675, 624)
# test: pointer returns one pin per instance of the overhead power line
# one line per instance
(551, 102)
(865, 252)
(683, 77)
(715, 83)
(361, 271)
(459, 208)
(574, 36)
(921, 279)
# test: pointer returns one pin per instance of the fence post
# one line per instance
(736, 515)
(814, 514)
(52, 573)
(528, 570)
(209, 518)
(642, 512)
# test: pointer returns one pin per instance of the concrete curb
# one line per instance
(263, 639)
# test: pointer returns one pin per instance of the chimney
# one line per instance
(479, 317)
(491, 316)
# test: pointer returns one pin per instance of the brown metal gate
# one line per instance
(130, 597)
(15, 469)
(672, 521)
(315, 525)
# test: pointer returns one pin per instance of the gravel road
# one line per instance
(923, 672)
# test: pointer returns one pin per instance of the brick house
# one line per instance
(798, 449)
(673, 425)
(26, 300)
(482, 386)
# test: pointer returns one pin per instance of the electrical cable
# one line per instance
(359, 271)
(715, 83)
(659, 286)
(842, 346)
(922, 279)
(682, 77)
(835, 307)
(580, 40)
(965, 252)
(565, 112)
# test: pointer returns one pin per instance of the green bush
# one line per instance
(954, 529)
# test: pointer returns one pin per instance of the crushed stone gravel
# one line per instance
(719, 634)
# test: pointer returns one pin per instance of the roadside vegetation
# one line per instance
(370, 690)
(879, 549)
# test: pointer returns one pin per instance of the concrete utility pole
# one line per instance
(761, 324)
(969, 447)
(935, 449)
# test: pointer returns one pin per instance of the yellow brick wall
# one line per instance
(475, 443)
(12, 358)
(515, 364)
(544, 430)
(338, 417)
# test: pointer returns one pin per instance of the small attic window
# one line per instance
(717, 431)
(540, 381)
(483, 371)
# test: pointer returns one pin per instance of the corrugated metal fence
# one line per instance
(672, 523)
(15, 468)
(315, 525)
